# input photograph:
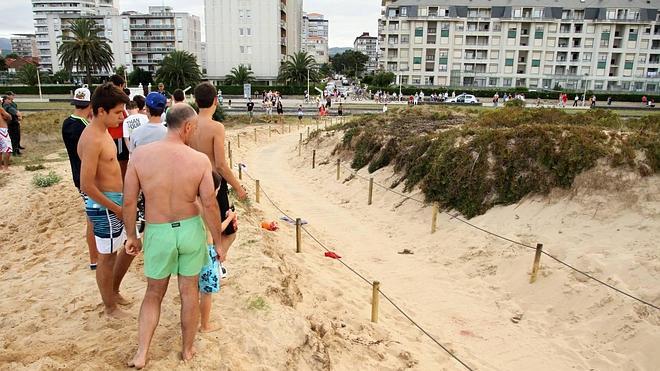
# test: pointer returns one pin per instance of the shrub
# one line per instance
(43, 181)
(34, 167)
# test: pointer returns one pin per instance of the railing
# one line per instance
(151, 26)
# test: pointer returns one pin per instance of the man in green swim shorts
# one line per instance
(172, 176)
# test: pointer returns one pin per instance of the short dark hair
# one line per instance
(117, 80)
(205, 94)
(131, 105)
(178, 114)
(107, 96)
(140, 101)
(81, 105)
(155, 111)
(178, 95)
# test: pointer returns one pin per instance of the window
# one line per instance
(602, 65)
(444, 33)
(404, 12)
(507, 81)
(536, 63)
(628, 65)
(508, 62)
(240, 31)
(539, 33)
(605, 36)
(442, 60)
(405, 39)
(419, 31)
(586, 57)
(512, 33)
(417, 60)
(632, 36)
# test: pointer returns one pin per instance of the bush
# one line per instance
(43, 181)
(34, 167)
(514, 103)
(283, 89)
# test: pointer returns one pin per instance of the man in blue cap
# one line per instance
(154, 130)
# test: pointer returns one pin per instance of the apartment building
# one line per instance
(259, 34)
(368, 45)
(24, 45)
(315, 37)
(599, 45)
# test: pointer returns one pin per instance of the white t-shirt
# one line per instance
(133, 122)
(146, 134)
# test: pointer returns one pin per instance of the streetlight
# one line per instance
(308, 92)
(39, 84)
(584, 95)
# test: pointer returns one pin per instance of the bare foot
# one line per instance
(139, 361)
(188, 355)
(211, 327)
(121, 300)
(115, 313)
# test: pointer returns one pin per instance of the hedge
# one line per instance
(33, 90)
(283, 89)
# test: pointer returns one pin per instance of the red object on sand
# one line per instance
(270, 226)
(332, 254)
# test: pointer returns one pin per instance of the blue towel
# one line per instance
(209, 277)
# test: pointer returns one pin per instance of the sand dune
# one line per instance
(282, 310)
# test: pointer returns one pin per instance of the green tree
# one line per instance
(3, 64)
(295, 69)
(140, 76)
(179, 70)
(28, 74)
(325, 70)
(239, 75)
(12, 56)
(383, 79)
(84, 49)
(61, 77)
(120, 70)
(349, 63)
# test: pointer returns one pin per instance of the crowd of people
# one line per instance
(177, 176)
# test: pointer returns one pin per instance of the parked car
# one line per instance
(463, 98)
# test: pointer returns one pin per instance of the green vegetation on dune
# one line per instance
(471, 162)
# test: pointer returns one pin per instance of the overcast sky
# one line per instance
(348, 18)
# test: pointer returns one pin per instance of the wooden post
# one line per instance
(239, 140)
(434, 219)
(255, 135)
(231, 160)
(298, 235)
(375, 300)
(300, 146)
(258, 191)
(269, 131)
(308, 132)
(371, 190)
(338, 169)
(537, 260)
(240, 172)
(314, 159)
(289, 128)
(229, 148)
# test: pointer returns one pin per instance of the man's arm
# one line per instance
(89, 153)
(211, 211)
(4, 114)
(131, 192)
(221, 162)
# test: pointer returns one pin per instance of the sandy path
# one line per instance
(464, 286)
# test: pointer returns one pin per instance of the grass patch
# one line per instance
(471, 161)
(43, 181)
(34, 167)
(258, 303)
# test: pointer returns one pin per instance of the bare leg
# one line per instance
(205, 303)
(149, 317)
(227, 241)
(189, 291)
(106, 263)
(91, 243)
(121, 267)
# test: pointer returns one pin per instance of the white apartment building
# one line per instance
(599, 45)
(259, 34)
(315, 37)
(24, 45)
(368, 45)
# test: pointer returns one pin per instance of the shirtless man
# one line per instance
(5, 142)
(171, 175)
(101, 181)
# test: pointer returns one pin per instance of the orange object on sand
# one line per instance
(270, 226)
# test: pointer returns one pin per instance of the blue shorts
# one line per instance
(209, 277)
(108, 229)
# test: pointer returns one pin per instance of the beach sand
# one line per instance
(281, 310)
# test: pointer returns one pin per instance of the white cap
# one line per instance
(82, 96)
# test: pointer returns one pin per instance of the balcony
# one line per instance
(283, 41)
(152, 38)
(154, 49)
(146, 61)
(144, 26)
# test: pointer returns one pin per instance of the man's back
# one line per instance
(208, 131)
(160, 166)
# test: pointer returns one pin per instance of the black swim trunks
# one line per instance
(223, 203)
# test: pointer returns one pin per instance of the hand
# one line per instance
(120, 213)
(133, 246)
(241, 193)
(222, 254)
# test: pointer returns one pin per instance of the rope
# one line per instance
(455, 216)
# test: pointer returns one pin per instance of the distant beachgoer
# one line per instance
(300, 113)
(101, 181)
(340, 110)
(250, 108)
(135, 119)
(576, 100)
(6, 148)
(172, 176)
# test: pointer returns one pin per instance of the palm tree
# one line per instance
(239, 75)
(294, 69)
(28, 74)
(85, 49)
(179, 70)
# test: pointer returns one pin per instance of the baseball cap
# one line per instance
(81, 97)
(156, 101)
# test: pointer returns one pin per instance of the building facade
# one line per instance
(603, 45)
(259, 34)
(314, 37)
(24, 45)
(368, 45)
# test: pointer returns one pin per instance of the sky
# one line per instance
(348, 18)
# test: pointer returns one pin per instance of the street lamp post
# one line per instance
(308, 92)
(584, 95)
(39, 84)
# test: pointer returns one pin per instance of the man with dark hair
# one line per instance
(101, 180)
(72, 129)
(153, 130)
(117, 133)
(14, 124)
(172, 176)
(135, 119)
(178, 96)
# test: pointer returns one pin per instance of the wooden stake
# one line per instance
(231, 161)
(298, 236)
(375, 301)
(300, 146)
(371, 190)
(434, 219)
(240, 172)
(239, 140)
(229, 148)
(338, 169)
(537, 260)
(314, 159)
(308, 132)
(255, 135)
(269, 131)
(258, 191)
